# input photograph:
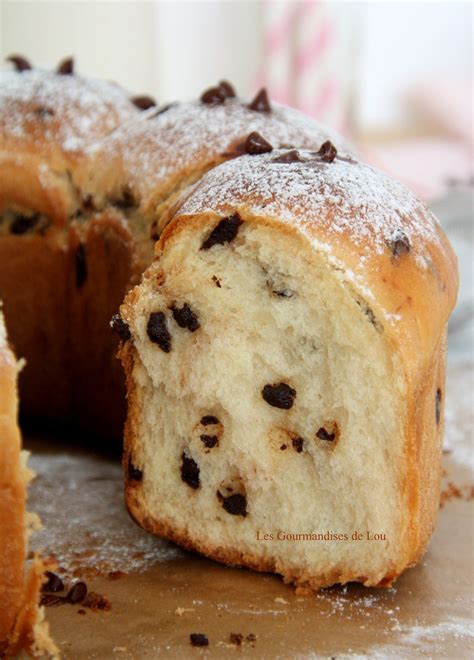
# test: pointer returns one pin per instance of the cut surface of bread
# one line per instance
(271, 419)
(22, 625)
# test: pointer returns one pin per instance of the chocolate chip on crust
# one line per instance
(143, 102)
(81, 266)
(322, 434)
(438, 406)
(198, 639)
(120, 327)
(256, 144)
(24, 223)
(279, 395)
(225, 232)
(291, 156)
(207, 420)
(399, 243)
(261, 103)
(20, 63)
(66, 67)
(328, 152)
(134, 474)
(227, 89)
(157, 331)
(235, 504)
(297, 444)
(213, 96)
(209, 441)
(185, 317)
(190, 471)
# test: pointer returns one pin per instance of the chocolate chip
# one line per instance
(399, 243)
(224, 232)
(158, 331)
(213, 96)
(438, 405)
(120, 327)
(283, 447)
(134, 474)
(227, 89)
(236, 638)
(322, 434)
(88, 203)
(66, 67)
(251, 637)
(143, 102)
(53, 584)
(207, 420)
(125, 201)
(256, 144)
(24, 223)
(77, 592)
(209, 441)
(185, 317)
(291, 156)
(216, 281)
(297, 444)
(261, 103)
(328, 152)
(189, 471)
(43, 112)
(81, 266)
(235, 504)
(198, 639)
(279, 396)
(284, 293)
(20, 63)
(51, 600)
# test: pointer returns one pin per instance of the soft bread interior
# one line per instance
(271, 311)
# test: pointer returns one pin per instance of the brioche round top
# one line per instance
(378, 237)
(167, 148)
(47, 111)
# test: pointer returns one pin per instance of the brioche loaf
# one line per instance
(84, 178)
(285, 359)
(21, 619)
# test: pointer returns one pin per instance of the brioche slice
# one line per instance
(22, 624)
(285, 371)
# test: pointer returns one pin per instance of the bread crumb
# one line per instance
(281, 600)
(179, 611)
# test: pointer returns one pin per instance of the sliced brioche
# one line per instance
(286, 371)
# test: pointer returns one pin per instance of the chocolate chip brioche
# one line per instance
(21, 619)
(85, 178)
(285, 359)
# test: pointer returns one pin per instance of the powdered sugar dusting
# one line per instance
(345, 197)
(189, 135)
(68, 110)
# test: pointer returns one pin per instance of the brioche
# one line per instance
(285, 370)
(21, 619)
(86, 176)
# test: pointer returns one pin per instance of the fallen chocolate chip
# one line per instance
(297, 444)
(235, 504)
(185, 317)
(77, 592)
(213, 96)
(81, 265)
(20, 63)
(120, 327)
(66, 67)
(251, 637)
(143, 102)
(134, 474)
(53, 584)
(209, 441)
(23, 223)
(224, 232)
(328, 152)
(256, 144)
(280, 395)
(157, 331)
(51, 600)
(291, 156)
(207, 420)
(322, 434)
(399, 243)
(261, 103)
(438, 406)
(236, 638)
(43, 112)
(198, 639)
(189, 471)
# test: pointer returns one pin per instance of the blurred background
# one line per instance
(394, 76)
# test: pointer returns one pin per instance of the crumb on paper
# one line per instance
(116, 649)
(179, 611)
(281, 600)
